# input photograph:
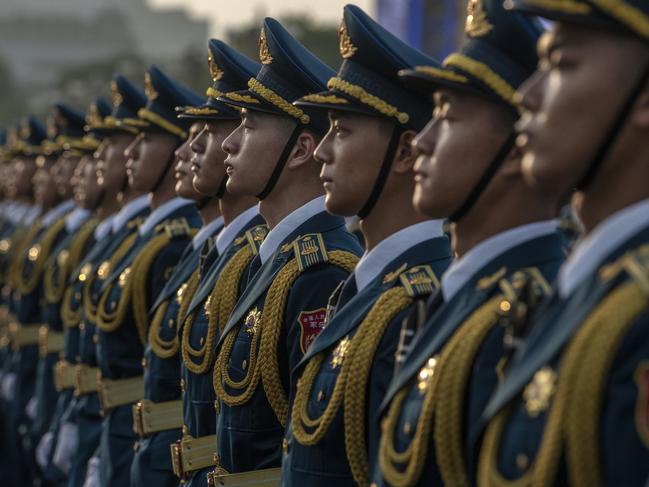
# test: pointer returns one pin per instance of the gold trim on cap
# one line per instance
(324, 99)
(372, 101)
(633, 17)
(564, 6)
(200, 111)
(242, 98)
(150, 116)
(213, 92)
(485, 74)
(273, 98)
(442, 73)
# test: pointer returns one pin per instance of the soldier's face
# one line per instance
(45, 190)
(455, 148)
(22, 183)
(570, 103)
(86, 190)
(351, 154)
(253, 149)
(62, 173)
(111, 162)
(148, 156)
(207, 163)
(182, 170)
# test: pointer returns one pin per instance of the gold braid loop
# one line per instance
(91, 310)
(56, 276)
(220, 304)
(267, 336)
(602, 334)
(454, 370)
(168, 348)
(27, 284)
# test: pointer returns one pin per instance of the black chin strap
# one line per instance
(482, 183)
(164, 172)
(615, 130)
(279, 167)
(203, 202)
(381, 179)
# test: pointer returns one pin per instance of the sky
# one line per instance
(224, 14)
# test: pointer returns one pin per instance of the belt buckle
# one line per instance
(176, 459)
(138, 421)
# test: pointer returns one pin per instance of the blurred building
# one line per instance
(39, 38)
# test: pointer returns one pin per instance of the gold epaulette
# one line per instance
(310, 250)
(178, 227)
(255, 237)
(419, 281)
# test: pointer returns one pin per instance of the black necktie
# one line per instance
(205, 249)
(348, 291)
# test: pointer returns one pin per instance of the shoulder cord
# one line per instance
(89, 307)
(268, 338)
(57, 275)
(168, 348)
(573, 422)
(18, 251)
(27, 284)
(218, 307)
(414, 456)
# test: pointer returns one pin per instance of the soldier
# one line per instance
(573, 407)
(367, 171)
(193, 453)
(140, 267)
(305, 255)
(507, 242)
(120, 211)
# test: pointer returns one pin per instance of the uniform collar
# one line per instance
(206, 231)
(76, 218)
(592, 251)
(104, 227)
(57, 212)
(31, 214)
(161, 212)
(128, 211)
(226, 236)
(372, 262)
(284, 228)
(463, 269)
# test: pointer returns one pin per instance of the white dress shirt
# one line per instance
(226, 236)
(128, 211)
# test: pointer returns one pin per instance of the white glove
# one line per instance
(44, 448)
(66, 447)
(92, 473)
(31, 408)
(8, 386)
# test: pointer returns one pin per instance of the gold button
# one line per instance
(144, 363)
(522, 462)
(113, 304)
(82, 326)
(244, 364)
(136, 446)
(182, 385)
(185, 430)
(216, 405)
(285, 446)
(95, 338)
(321, 395)
(202, 340)
(170, 323)
(407, 428)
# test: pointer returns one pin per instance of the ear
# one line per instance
(303, 149)
(406, 155)
(511, 167)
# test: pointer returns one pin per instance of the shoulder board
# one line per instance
(419, 281)
(634, 263)
(178, 227)
(310, 250)
(255, 236)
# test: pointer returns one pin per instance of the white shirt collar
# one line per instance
(76, 218)
(57, 212)
(162, 212)
(374, 261)
(463, 269)
(206, 231)
(104, 228)
(226, 236)
(589, 254)
(284, 228)
(128, 211)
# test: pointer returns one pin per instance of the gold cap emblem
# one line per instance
(149, 89)
(117, 96)
(264, 53)
(52, 129)
(215, 72)
(347, 49)
(25, 131)
(339, 352)
(93, 116)
(477, 24)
